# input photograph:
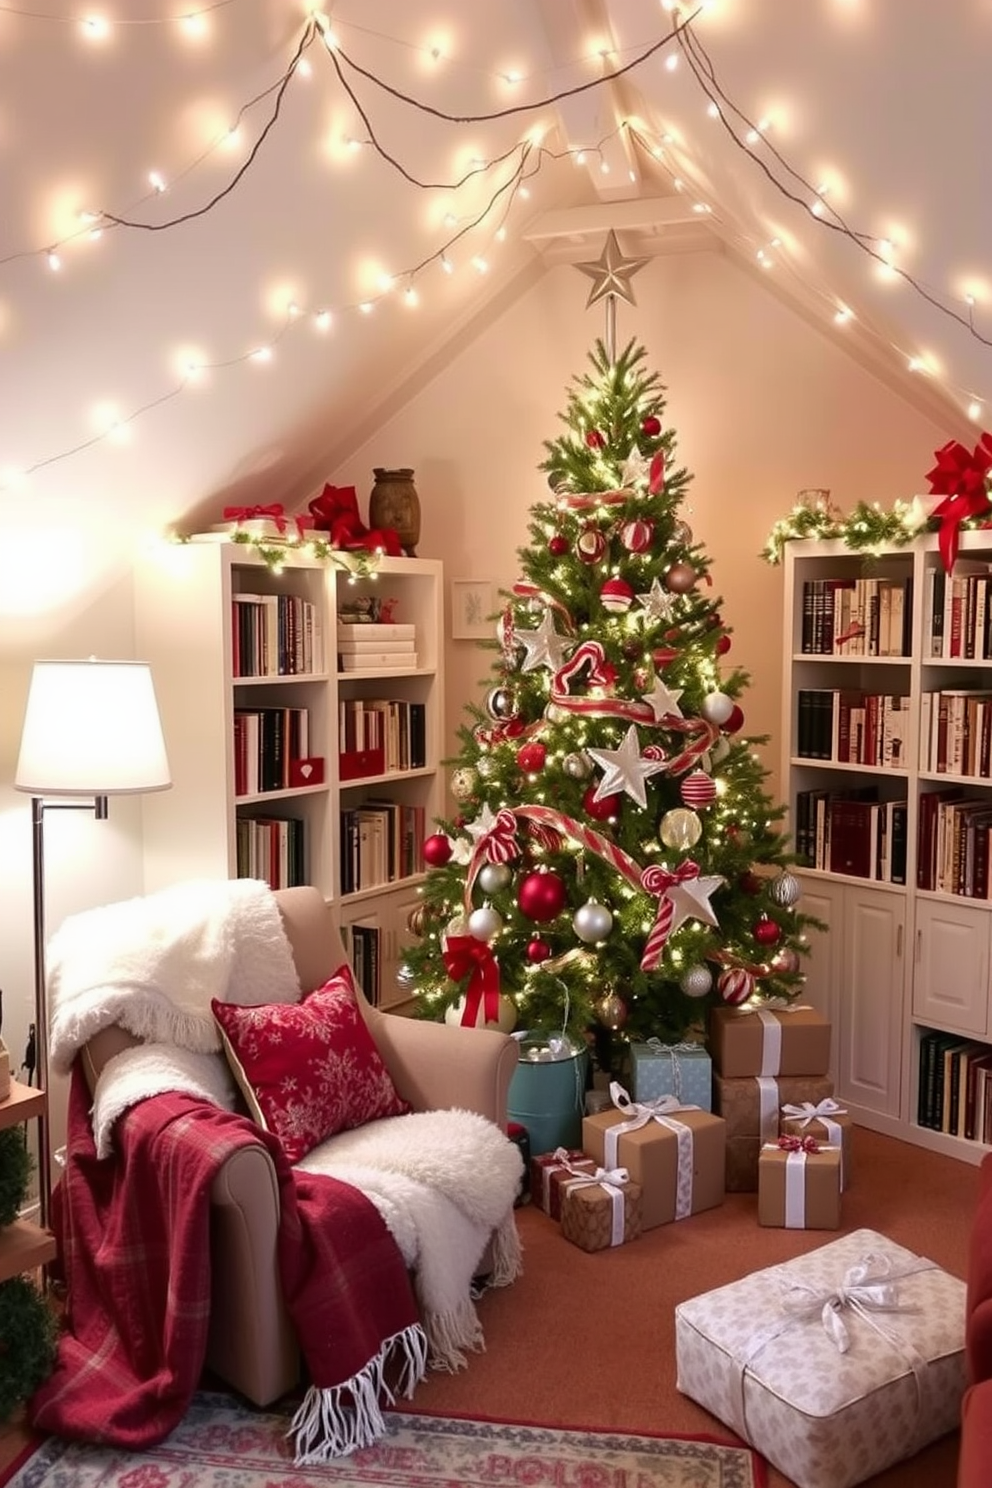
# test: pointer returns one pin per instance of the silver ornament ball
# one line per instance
(405, 978)
(786, 890)
(577, 766)
(681, 534)
(696, 981)
(500, 703)
(486, 767)
(484, 923)
(493, 877)
(592, 922)
(717, 707)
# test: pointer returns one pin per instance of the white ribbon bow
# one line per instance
(662, 1110)
(805, 1111)
(865, 1288)
(674, 1052)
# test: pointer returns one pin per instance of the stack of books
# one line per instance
(366, 646)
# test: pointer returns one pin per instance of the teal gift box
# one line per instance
(683, 1070)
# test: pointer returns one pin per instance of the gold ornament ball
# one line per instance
(463, 784)
(680, 829)
(681, 534)
(611, 1010)
(680, 578)
(577, 766)
(415, 921)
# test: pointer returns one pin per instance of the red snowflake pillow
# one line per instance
(308, 1069)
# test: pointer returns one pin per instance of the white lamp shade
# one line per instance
(91, 728)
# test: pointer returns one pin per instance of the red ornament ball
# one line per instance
(594, 439)
(590, 545)
(636, 536)
(651, 426)
(735, 722)
(749, 883)
(617, 596)
(541, 896)
(537, 951)
(437, 850)
(698, 789)
(723, 645)
(531, 757)
(558, 545)
(767, 932)
(735, 985)
(603, 809)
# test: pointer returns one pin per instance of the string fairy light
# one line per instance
(194, 14)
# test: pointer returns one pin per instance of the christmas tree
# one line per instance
(617, 864)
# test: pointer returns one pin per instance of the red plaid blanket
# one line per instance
(134, 1244)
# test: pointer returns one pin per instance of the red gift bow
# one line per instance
(464, 954)
(798, 1144)
(962, 479)
(335, 511)
(249, 513)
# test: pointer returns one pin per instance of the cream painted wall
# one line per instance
(762, 403)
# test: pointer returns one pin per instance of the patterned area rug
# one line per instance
(222, 1444)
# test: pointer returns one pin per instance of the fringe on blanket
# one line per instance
(450, 1333)
(343, 1418)
(506, 1253)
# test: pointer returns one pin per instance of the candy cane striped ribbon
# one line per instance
(601, 674)
(657, 880)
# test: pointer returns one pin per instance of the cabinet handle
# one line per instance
(899, 930)
(919, 947)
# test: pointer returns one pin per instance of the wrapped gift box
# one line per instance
(764, 1355)
(833, 1128)
(594, 1220)
(652, 1157)
(799, 1190)
(547, 1169)
(752, 1040)
(751, 1108)
(682, 1070)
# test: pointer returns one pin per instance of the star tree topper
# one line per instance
(611, 273)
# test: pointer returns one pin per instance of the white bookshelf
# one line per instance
(184, 598)
(899, 960)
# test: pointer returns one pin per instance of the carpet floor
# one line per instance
(222, 1444)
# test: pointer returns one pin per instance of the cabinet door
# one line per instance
(951, 988)
(870, 1022)
(824, 901)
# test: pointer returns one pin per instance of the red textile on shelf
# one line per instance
(134, 1244)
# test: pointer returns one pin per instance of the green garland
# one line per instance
(28, 1333)
(15, 1170)
(863, 530)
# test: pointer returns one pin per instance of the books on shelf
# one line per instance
(266, 743)
(376, 646)
(954, 844)
(377, 661)
(381, 842)
(958, 616)
(275, 635)
(271, 848)
(856, 617)
(852, 833)
(954, 1092)
(852, 727)
(396, 727)
(362, 943)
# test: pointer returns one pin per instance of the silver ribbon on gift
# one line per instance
(638, 1114)
(614, 1181)
(767, 1107)
(674, 1052)
(795, 1184)
(771, 1043)
(866, 1289)
(824, 1111)
(560, 1158)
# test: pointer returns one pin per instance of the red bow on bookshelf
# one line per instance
(335, 511)
(962, 479)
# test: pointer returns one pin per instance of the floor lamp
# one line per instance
(91, 728)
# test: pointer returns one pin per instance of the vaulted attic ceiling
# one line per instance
(233, 336)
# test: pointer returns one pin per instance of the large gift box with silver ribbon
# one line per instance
(676, 1154)
(684, 1070)
(769, 1039)
(833, 1365)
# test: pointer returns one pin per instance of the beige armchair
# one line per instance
(433, 1066)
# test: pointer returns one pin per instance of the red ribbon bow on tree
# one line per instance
(962, 479)
(798, 1144)
(463, 954)
(335, 511)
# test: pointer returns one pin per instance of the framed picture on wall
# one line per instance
(473, 602)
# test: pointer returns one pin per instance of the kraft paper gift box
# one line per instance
(684, 1070)
(755, 1040)
(834, 1365)
(751, 1109)
(598, 1215)
(799, 1185)
(549, 1166)
(828, 1122)
(677, 1157)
